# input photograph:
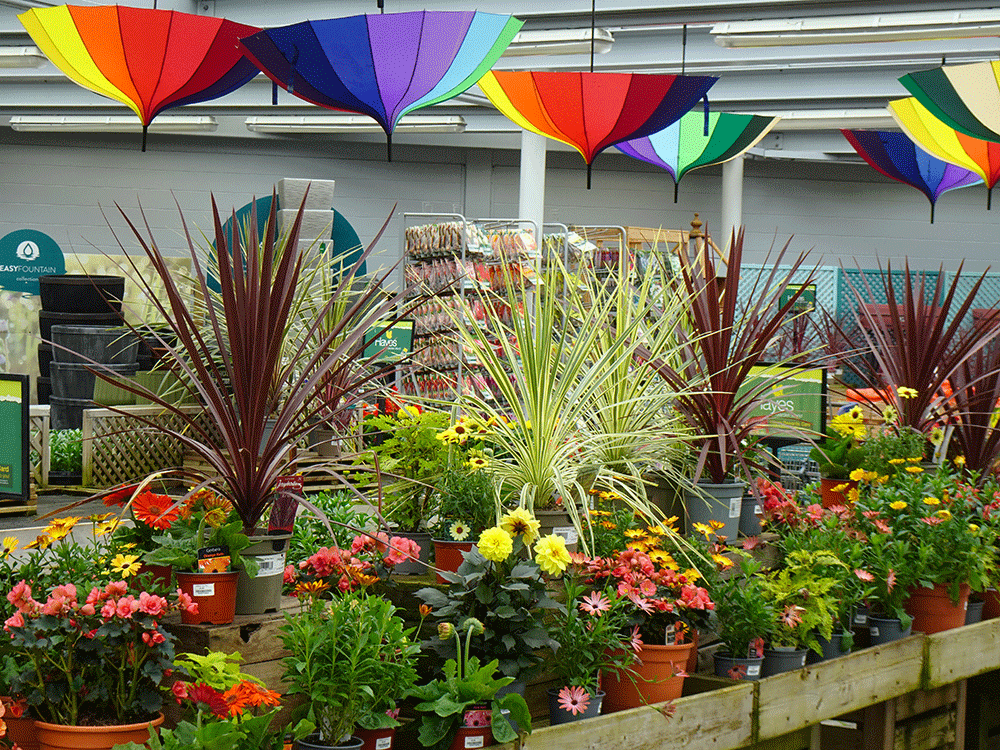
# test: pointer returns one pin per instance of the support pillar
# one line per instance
(732, 202)
(531, 197)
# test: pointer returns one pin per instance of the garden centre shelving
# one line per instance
(461, 261)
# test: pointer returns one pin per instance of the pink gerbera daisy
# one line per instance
(574, 699)
(595, 603)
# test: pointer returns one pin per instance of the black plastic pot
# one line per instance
(67, 413)
(43, 388)
(81, 293)
(47, 319)
(44, 359)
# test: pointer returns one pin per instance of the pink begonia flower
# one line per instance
(127, 605)
(401, 550)
(16, 620)
(185, 602)
(290, 575)
(95, 596)
(116, 589)
(153, 638)
(151, 604)
(87, 610)
(20, 597)
(108, 610)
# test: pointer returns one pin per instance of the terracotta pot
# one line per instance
(831, 498)
(161, 575)
(932, 609)
(656, 681)
(376, 739)
(214, 593)
(448, 555)
(991, 604)
(21, 730)
(62, 737)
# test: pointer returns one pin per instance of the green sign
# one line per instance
(387, 343)
(14, 397)
(26, 254)
(806, 302)
(792, 399)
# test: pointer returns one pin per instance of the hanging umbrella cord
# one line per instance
(684, 47)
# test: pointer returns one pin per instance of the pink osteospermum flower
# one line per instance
(574, 699)
(890, 580)
(790, 617)
(635, 640)
(595, 603)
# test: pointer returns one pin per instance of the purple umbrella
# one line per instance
(383, 66)
(896, 156)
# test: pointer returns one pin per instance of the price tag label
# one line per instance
(475, 742)
(270, 565)
(735, 505)
(203, 589)
(383, 743)
(566, 532)
(753, 670)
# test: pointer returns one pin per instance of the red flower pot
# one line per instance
(104, 737)
(448, 556)
(933, 611)
(214, 593)
(657, 680)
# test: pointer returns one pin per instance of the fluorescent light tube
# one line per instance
(559, 42)
(21, 57)
(352, 124)
(883, 27)
(111, 124)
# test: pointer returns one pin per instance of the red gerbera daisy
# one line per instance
(212, 698)
(156, 511)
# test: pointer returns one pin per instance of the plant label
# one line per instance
(203, 589)
(269, 565)
(475, 742)
(753, 670)
(735, 506)
(566, 532)
(383, 743)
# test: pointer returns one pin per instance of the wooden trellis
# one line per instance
(120, 448)
(39, 446)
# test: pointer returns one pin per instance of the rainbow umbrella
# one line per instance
(686, 145)
(383, 66)
(896, 156)
(593, 111)
(149, 60)
(946, 143)
(964, 97)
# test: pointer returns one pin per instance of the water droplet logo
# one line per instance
(27, 250)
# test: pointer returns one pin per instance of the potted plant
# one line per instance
(111, 641)
(743, 618)
(950, 540)
(460, 709)
(840, 455)
(245, 352)
(666, 605)
(802, 595)
(203, 546)
(466, 505)
(345, 656)
(722, 345)
(413, 459)
(500, 586)
(590, 637)
(223, 707)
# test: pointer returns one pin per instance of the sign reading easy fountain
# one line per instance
(26, 254)
(14, 475)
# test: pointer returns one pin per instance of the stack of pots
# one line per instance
(90, 303)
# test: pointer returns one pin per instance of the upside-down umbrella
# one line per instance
(593, 111)
(383, 66)
(149, 60)
(685, 145)
(896, 156)
(964, 97)
(944, 142)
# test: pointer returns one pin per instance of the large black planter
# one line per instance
(44, 360)
(43, 387)
(81, 293)
(114, 345)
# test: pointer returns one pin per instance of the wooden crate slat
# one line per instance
(958, 654)
(804, 697)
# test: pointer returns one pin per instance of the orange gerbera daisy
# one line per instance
(156, 511)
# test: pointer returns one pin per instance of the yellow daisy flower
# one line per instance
(905, 392)
(125, 565)
(520, 522)
(551, 554)
(915, 469)
(943, 513)
(897, 461)
(931, 501)
(460, 531)
(959, 460)
(9, 545)
(898, 505)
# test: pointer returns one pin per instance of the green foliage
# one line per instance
(465, 495)
(509, 598)
(179, 546)
(310, 533)
(888, 449)
(464, 683)
(841, 451)
(743, 615)
(412, 456)
(804, 599)
(589, 643)
(66, 450)
(347, 656)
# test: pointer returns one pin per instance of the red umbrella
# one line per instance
(149, 60)
(593, 111)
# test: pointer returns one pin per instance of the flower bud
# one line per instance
(445, 630)
(475, 625)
